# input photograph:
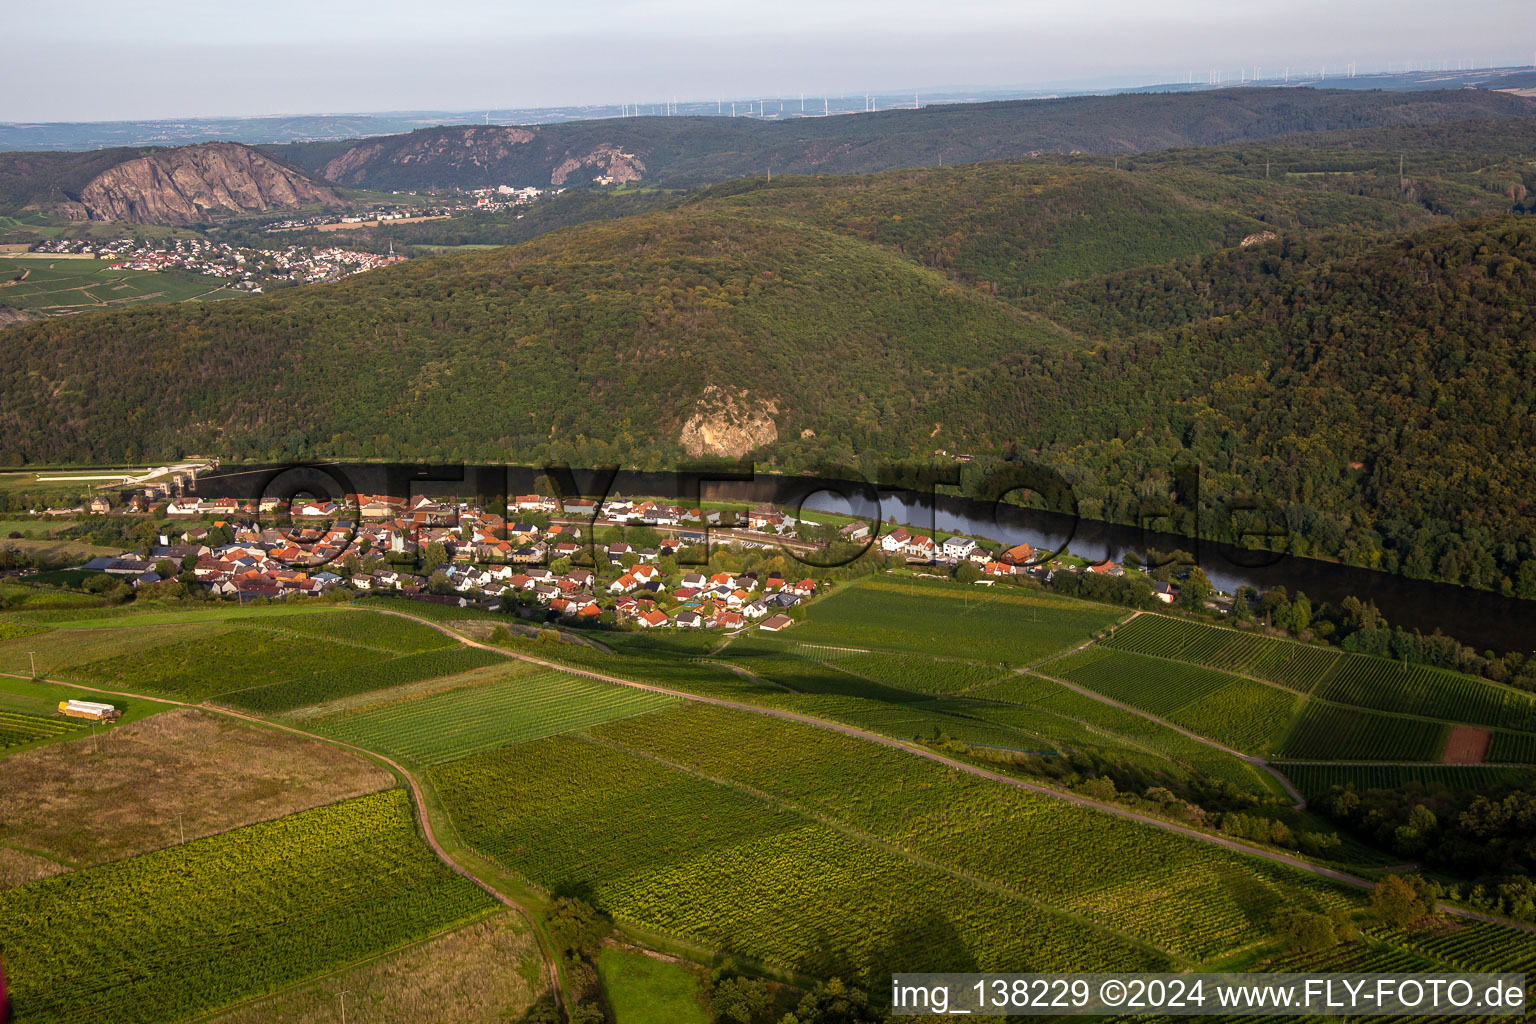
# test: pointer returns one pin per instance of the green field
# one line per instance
(1238, 713)
(207, 665)
(18, 727)
(911, 671)
(1293, 665)
(1317, 779)
(524, 703)
(644, 990)
(1329, 732)
(660, 848)
(1384, 685)
(1512, 748)
(776, 839)
(53, 286)
(183, 931)
(950, 620)
(366, 629)
(349, 680)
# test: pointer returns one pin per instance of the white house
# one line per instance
(959, 547)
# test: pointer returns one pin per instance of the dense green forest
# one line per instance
(1330, 334)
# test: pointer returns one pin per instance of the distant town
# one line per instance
(245, 269)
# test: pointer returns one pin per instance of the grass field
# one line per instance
(950, 620)
(523, 703)
(54, 286)
(1329, 732)
(141, 786)
(642, 989)
(1239, 713)
(183, 931)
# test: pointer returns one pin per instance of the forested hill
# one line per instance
(1366, 370)
(700, 150)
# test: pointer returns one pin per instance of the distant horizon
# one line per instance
(169, 59)
(932, 95)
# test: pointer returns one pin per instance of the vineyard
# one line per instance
(1329, 732)
(1430, 692)
(522, 705)
(1292, 665)
(1049, 709)
(1512, 748)
(180, 932)
(911, 671)
(365, 629)
(1177, 893)
(782, 665)
(665, 849)
(1317, 779)
(215, 663)
(953, 621)
(288, 694)
(1238, 713)
(15, 631)
(17, 727)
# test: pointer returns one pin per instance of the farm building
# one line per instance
(89, 709)
(776, 623)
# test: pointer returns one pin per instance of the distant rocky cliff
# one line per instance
(472, 156)
(192, 184)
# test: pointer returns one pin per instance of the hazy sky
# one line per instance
(99, 60)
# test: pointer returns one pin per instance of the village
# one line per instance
(621, 562)
(246, 269)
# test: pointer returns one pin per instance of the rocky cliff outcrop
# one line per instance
(612, 163)
(453, 150)
(729, 423)
(191, 184)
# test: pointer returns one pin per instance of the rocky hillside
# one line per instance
(684, 151)
(185, 185)
(192, 184)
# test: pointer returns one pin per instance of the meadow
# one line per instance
(1331, 732)
(950, 620)
(642, 989)
(524, 703)
(1238, 713)
(185, 930)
